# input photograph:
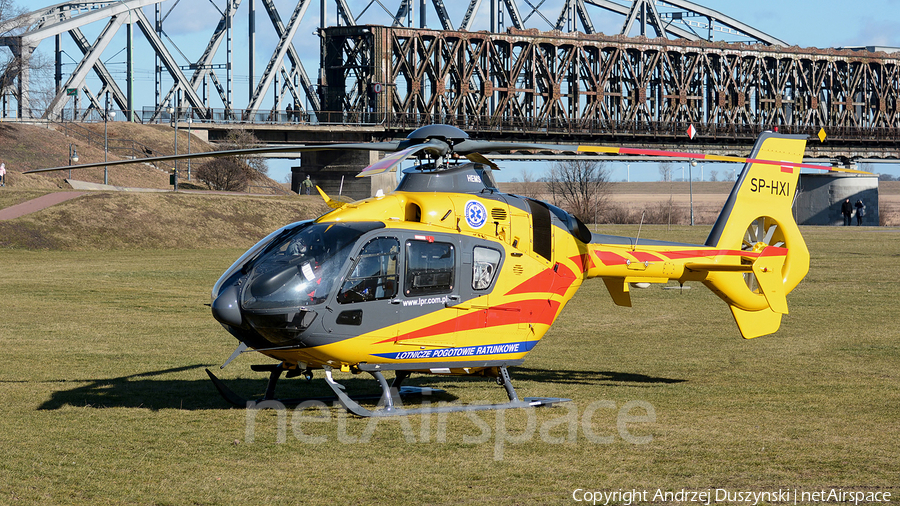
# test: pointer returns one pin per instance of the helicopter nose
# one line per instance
(226, 308)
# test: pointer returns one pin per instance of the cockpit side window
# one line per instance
(429, 268)
(484, 267)
(301, 265)
(374, 275)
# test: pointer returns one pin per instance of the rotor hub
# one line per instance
(447, 133)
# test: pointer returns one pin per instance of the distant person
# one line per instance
(860, 211)
(847, 211)
(2, 173)
(290, 113)
(308, 184)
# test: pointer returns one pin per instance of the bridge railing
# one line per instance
(223, 115)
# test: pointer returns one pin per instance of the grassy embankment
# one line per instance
(25, 147)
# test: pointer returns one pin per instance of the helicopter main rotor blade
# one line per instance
(434, 147)
(479, 158)
(476, 146)
(438, 143)
(785, 166)
(360, 146)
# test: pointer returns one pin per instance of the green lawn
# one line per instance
(105, 401)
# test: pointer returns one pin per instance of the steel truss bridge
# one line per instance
(511, 69)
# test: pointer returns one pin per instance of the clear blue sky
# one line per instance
(824, 23)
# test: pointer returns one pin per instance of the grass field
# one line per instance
(105, 401)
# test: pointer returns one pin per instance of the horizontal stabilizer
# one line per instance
(714, 267)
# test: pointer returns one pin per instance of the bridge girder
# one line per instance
(534, 85)
(285, 61)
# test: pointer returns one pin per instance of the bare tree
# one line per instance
(244, 139)
(580, 186)
(12, 24)
(665, 171)
(529, 187)
(14, 58)
(225, 174)
(713, 175)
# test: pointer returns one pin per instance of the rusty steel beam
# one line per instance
(531, 84)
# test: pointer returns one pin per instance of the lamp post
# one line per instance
(628, 172)
(190, 120)
(73, 157)
(106, 114)
(172, 114)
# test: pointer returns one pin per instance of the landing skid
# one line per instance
(389, 402)
(236, 400)
(391, 405)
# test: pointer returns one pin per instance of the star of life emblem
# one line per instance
(476, 214)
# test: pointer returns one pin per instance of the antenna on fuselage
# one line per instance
(640, 225)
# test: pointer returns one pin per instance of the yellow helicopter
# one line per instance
(447, 275)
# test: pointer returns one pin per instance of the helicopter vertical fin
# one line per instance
(757, 218)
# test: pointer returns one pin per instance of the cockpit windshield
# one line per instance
(301, 267)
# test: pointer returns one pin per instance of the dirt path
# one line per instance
(33, 205)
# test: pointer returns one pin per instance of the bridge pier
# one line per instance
(821, 195)
(335, 172)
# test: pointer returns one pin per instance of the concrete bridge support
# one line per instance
(821, 195)
(335, 172)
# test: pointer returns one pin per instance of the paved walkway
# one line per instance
(33, 205)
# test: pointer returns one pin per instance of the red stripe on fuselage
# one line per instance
(547, 281)
(643, 256)
(526, 311)
(578, 261)
(609, 258)
(582, 261)
(701, 253)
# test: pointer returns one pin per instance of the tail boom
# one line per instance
(754, 256)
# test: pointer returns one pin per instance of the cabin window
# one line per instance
(484, 267)
(374, 275)
(429, 268)
(353, 317)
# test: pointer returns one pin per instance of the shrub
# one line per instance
(225, 174)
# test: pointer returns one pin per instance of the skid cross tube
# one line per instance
(389, 401)
(390, 404)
